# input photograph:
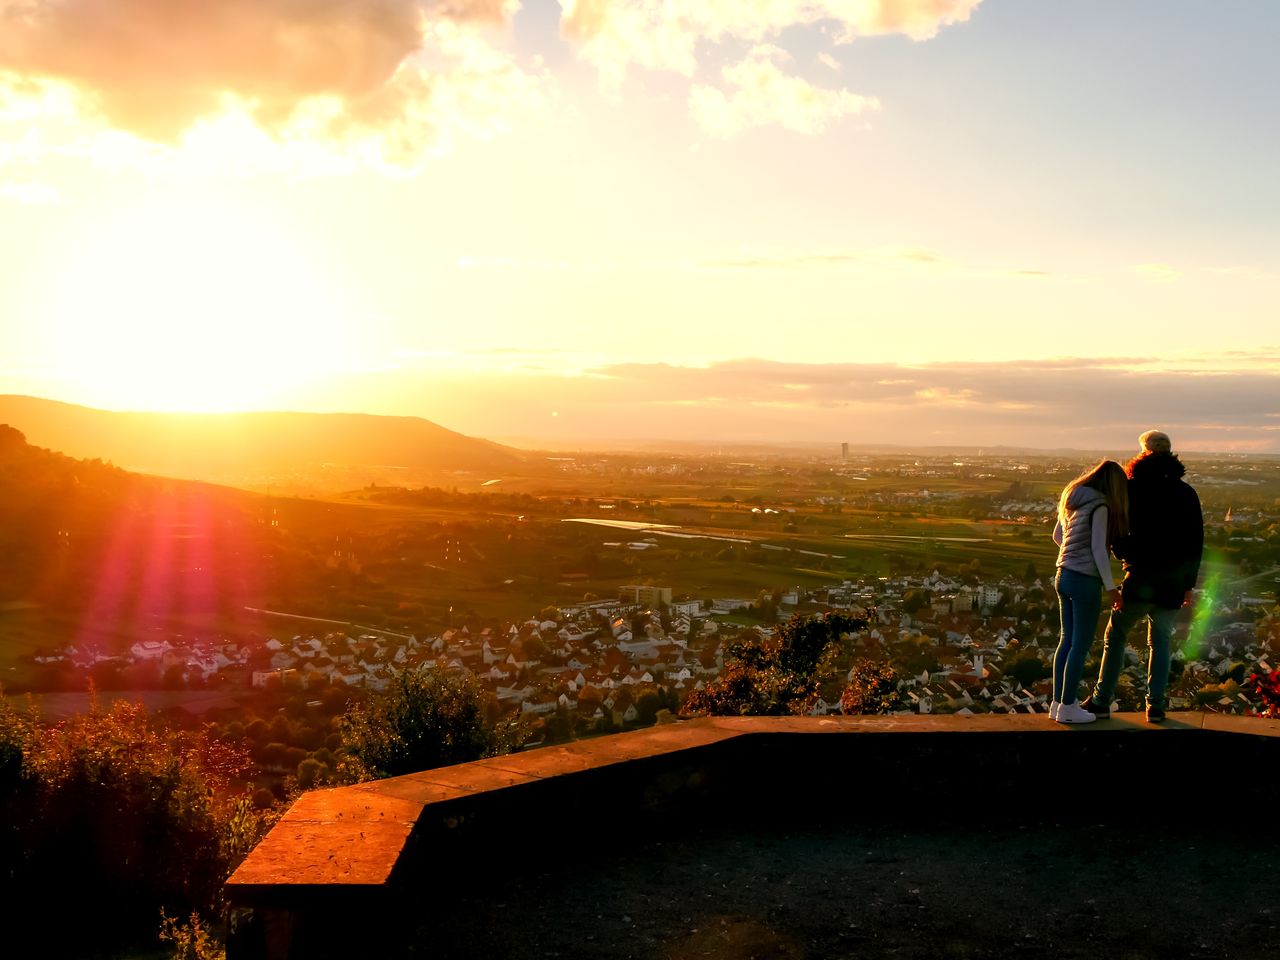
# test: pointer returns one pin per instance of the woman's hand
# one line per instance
(1116, 598)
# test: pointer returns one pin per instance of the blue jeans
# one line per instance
(1159, 632)
(1079, 603)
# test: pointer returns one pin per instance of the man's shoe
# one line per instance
(1097, 709)
(1074, 713)
(1053, 710)
(1155, 714)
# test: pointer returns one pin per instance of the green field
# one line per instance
(419, 560)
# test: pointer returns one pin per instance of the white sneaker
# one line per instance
(1054, 707)
(1074, 713)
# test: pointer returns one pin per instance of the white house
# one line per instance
(150, 649)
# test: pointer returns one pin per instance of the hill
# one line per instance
(235, 447)
(93, 555)
(88, 536)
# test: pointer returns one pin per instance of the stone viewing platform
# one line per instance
(458, 861)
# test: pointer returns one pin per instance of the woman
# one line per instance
(1092, 512)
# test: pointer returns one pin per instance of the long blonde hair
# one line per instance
(1108, 478)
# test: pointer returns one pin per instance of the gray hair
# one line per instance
(1154, 441)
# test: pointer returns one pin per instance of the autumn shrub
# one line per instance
(778, 675)
(1264, 688)
(427, 718)
(190, 939)
(109, 819)
(872, 688)
(1211, 694)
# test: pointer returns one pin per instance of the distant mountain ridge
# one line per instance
(215, 445)
(735, 447)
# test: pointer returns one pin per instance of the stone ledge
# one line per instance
(354, 835)
(316, 841)
(381, 842)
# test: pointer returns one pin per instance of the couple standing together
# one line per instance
(1149, 518)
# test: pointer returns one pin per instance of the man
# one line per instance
(1161, 555)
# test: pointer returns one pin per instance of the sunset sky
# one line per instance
(875, 221)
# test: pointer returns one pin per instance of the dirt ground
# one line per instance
(1187, 887)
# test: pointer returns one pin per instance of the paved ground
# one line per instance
(975, 887)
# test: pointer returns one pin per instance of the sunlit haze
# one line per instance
(872, 221)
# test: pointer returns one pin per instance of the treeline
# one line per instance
(108, 818)
(119, 829)
(523, 503)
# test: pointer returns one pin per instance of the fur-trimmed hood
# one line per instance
(1156, 466)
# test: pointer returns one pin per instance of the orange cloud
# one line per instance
(157, 68)
(918, 19)
(154, 66)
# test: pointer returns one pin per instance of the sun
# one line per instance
(192, 306)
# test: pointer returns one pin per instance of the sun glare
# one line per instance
(189, 307)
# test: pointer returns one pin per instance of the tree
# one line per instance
(428, 718)
(779, 675)
(534, 647)
(766, 606)
(309, 772)
(913, 600)
(916, 655)
(280, 728)
(1026, 667)
(647, 706)
(873, 688)
(121, 816)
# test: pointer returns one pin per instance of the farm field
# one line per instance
(418, 560)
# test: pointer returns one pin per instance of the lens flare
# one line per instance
(1202, 613)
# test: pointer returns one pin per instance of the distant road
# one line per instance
(345, 624)
(1257, 576)
(622, 524)
(889, 536)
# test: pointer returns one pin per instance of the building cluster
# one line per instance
(599, 660)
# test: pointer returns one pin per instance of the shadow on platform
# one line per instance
(792, 837)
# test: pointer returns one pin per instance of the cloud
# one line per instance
(900, 256)
(918, 19)
(1057, 402)
(337, 68)
(664, 35)
(1158, 272)
(828, 258)
(1083, 404)
(153, 66)
(761, 94)
(678, 36)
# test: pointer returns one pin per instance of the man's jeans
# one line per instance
(1159, 633)
(1079, 601)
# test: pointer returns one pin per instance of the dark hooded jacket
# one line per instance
(1161, 552)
